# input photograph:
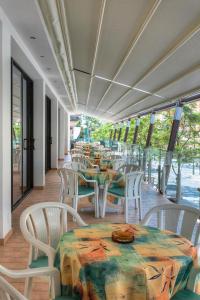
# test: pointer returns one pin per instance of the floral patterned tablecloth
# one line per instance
(101, 177)
(154, 266)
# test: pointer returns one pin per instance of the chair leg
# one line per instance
(75, 205)
(136, 203)
(104, 202)
(126, 210)
(54, 285)
(139, 206)
(96, 203)
(28, 287)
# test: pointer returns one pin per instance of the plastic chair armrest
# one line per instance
(47, 271)
(87, 180)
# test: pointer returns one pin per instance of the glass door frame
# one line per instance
(48, 136)
(29, 124)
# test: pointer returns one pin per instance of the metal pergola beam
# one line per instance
(132, 46)
(135, 136)
(99, 31)
(187, 37)
(115, 134)
(111, 134)
(127, 130)
(150, 130)
(171, 145)
(183, 100)
(119, 134)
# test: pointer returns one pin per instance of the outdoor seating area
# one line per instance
(99, 150)
(104, 224)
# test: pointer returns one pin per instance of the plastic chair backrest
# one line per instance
(181, 219)
(68, 181)
(76, 166)
(45, 222)
(117, 163)
(133, 184)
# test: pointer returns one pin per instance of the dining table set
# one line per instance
(155, 265)
(144, 262)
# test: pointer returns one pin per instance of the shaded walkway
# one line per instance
(15, 254)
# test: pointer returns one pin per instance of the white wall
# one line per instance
(67, 132)
(54, 134)
(5, 130)
(39, 133)
(30, 65)
(61, 133)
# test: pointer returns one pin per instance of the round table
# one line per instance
(102, 177)
(154, 266)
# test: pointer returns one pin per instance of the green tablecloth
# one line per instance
(154, 266)
(101, 177)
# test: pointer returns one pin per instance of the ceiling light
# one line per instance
(32, 37)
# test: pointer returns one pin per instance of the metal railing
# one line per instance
(176, 175)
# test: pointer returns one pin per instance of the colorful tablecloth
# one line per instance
(154, 267)
(101, 177)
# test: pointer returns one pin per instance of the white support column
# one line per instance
(54, 134)
(67, 133)
(39, 133)
(5, 131)
(61, 133)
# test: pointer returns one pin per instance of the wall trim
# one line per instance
(4, 240)
(38, 187)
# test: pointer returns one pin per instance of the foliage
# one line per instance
(188, 140)
(102, 132)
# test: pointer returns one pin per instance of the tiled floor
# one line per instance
(15, 254)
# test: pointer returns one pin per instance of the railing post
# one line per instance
(163, 181)
(159, 170)
(178, 180)
(149, 168)
(172, 142)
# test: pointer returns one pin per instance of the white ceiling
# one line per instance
(24, 16)
(139, 46)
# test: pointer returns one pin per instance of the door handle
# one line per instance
(32, 144)
(25, 144)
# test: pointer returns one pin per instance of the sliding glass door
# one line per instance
(22, 134)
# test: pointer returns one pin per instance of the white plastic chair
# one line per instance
(115, 156)
(71, 189)
(117, 163)
(42, 225)
(84, 160)
(8, 292)
(129, 194)
(181, 219)
(76, 151)
(77, 166)
(128, 168)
